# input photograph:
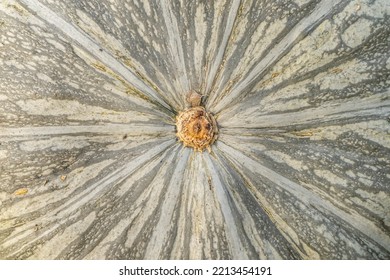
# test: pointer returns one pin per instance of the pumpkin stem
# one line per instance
(194, 99)
(196, 128)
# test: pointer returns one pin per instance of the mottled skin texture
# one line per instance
(90, 165)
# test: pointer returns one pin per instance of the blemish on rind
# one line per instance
(19, 9)
(21, 192)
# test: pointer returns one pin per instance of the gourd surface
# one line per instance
(90, 165)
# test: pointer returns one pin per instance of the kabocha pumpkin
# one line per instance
(194, 129)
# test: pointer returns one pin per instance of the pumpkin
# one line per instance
(297, 163)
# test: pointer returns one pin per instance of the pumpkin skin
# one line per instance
(91, 168)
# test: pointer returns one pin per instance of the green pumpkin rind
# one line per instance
(90, 167)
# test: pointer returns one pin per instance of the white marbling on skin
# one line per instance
(90, 167)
